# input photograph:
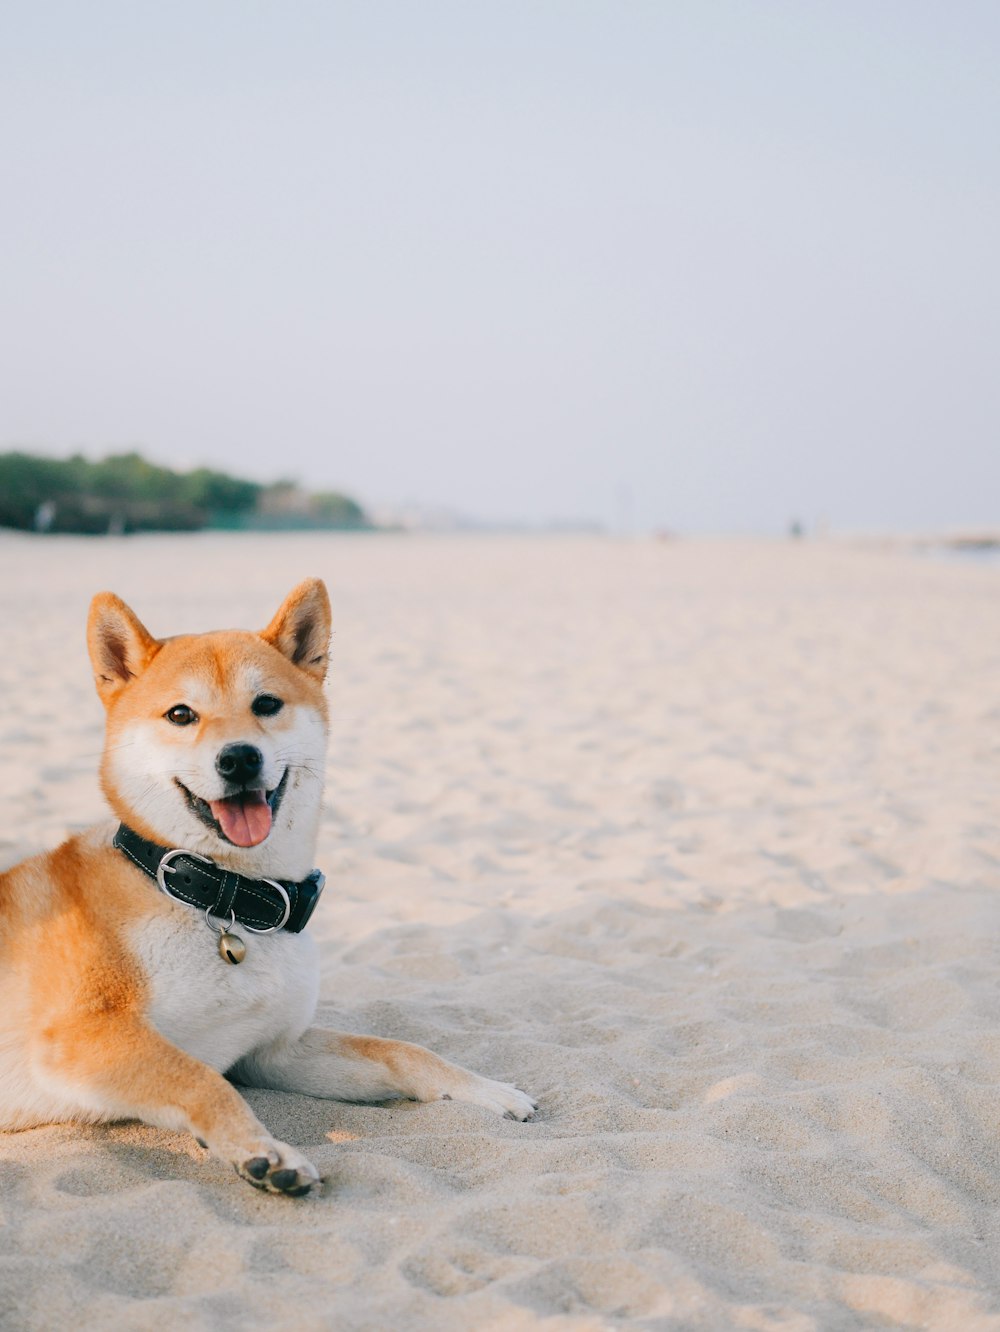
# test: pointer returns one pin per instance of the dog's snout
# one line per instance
(239, 763)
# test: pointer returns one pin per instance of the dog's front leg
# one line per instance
(117, 1067)
(367, 1068)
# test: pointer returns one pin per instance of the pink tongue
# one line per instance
(245, 819)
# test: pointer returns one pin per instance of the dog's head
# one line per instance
(215, 742)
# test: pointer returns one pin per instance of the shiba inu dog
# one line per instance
(141, 965)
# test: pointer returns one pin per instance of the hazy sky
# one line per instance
(738, 261)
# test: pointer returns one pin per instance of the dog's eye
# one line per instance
(181, 715)
(266, 705)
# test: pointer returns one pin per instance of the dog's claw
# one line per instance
(504, 1099)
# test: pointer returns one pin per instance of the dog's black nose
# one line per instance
(239, 763)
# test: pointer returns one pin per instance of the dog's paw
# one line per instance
(278, 1168)
(500, 1097)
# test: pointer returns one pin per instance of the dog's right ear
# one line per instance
(121, 646)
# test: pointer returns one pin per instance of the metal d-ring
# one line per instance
(164, 868)
(288, 910)
(220, 930)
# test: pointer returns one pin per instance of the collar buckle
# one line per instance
(165, 867)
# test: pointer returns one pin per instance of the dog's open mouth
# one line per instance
(244, 818)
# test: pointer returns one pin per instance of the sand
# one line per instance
(696, 841)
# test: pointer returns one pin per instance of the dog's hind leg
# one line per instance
(367, 1068)
(114, 1066)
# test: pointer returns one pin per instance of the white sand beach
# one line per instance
(696, 841)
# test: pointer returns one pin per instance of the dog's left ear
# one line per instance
(121, 647)
(301, 628)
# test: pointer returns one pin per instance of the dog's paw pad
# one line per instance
(285, 1179)
(281, 1171)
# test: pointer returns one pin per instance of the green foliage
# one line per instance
(127, 476)
(334, 508)
(125, 492)
(218, 492)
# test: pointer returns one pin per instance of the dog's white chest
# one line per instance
(213, 1010)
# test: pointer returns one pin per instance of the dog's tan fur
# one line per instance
(113, 1002)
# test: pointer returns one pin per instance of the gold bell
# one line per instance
(232, 949)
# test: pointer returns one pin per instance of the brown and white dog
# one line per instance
(122, 1001)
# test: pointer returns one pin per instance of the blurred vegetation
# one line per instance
(332, 507)
(126, 493)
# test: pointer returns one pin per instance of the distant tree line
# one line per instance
(126, 493)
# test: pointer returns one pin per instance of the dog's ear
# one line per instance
(121, 646)
(301, 628)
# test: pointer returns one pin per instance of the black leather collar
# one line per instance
(260, 905)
